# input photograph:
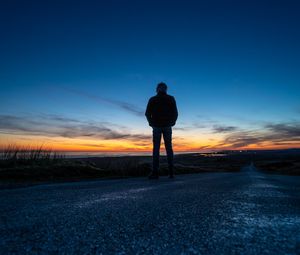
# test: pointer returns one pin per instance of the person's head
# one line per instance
(161, 87)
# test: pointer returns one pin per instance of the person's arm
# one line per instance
(148, 112)
(175, 111)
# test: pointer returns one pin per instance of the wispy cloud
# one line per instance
(59, 126)
(285, 130)
(240, 139)
(276, 134)
(128, 107)
(223, 129)
(49, 125)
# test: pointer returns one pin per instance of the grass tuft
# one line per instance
(12, 156)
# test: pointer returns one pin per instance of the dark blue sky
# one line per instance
(228, 63)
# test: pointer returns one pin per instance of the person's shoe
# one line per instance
(153, 176)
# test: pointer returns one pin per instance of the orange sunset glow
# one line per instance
(180, 144)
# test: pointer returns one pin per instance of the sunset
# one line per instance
(160, 127)
(78, 77)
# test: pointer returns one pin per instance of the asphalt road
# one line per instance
(214, 213)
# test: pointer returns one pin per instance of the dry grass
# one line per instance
(14, 155)
(290, 167)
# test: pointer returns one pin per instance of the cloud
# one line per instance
(54, 117)
(59, 126)
(240, 139)
(131, 108)
(285, 130)
(272, 133)
(223, 129)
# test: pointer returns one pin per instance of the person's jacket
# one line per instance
(162, 110)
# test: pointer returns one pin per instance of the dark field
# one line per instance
(20, 171)
(278, 162)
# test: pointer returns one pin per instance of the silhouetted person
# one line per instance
(162, 114)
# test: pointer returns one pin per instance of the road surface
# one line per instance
(214, 213)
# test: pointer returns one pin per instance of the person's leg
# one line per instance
(167, 133)
(156, 146)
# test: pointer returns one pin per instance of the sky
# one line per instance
(77, 75)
